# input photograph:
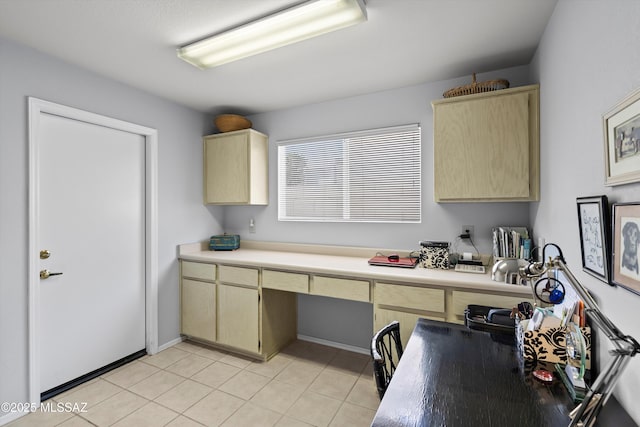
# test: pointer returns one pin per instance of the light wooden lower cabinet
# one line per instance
(238, 317)
(406, 304)
(198, 309)
(232, 311)
(334, 287)
(383, 317)
(199, 270)
(414, 297)
(254, 310)
(239, 275)
(461, 299)
(285, 281)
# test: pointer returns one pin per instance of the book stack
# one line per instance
(511, 242)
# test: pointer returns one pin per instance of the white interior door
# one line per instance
(91, 218)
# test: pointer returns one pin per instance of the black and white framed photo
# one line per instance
(593, 219)
(621, 126)
(626, 237)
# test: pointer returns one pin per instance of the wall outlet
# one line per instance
(467, 229)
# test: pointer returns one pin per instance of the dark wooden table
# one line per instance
(452, 376)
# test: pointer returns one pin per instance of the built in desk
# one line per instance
(453, 376)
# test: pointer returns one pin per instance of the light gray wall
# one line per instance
(182, 216)
(439, 221)
(587, 62)
(388, 108)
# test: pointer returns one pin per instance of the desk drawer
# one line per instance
(409, 297)
(199, 270)
(356, 290)
(283, 281)
(462, 299)
(239, 275)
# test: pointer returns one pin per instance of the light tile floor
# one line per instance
(307, 384)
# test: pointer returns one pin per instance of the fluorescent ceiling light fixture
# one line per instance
(301, 22)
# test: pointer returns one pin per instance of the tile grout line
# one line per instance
(310, 354)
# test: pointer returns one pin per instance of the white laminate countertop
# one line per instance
(343, 262)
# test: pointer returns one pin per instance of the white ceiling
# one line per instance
(404, 42)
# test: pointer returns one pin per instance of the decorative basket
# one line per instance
(231, 122)
(474, 87)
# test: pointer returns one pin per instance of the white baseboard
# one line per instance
(335, 344)
(170, 344)
(11, 416)
(300, 337)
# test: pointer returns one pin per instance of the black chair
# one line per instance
(386, 351)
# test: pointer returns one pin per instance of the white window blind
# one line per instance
(367, 176)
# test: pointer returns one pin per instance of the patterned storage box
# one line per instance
(435, 255)
(548, 344)
(224, 242)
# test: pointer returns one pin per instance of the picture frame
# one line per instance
(626, 235)
(594, 226)
(621, 127)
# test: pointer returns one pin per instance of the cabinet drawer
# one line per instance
(199, 270)
(462, 299)
(356, 290)
(409, 297)
(239, 275)
(291, 282)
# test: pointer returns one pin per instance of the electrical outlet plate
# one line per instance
(467, 229)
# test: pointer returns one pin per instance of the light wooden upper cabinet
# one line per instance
(236, 168)
(487, 146)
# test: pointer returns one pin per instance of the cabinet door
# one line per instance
(485, 147)
(238, 317)
(198, 308)
(226, 168)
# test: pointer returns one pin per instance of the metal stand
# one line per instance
(584, 415)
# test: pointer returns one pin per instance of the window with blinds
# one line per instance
(367, 176)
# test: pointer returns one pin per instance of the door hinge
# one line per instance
(259, 345)
(258, 297)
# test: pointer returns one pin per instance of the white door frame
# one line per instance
(36, 108)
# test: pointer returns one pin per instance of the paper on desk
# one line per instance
(570, 303)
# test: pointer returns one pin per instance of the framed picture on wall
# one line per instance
(621, 126)
(593, 220)
(626, 236)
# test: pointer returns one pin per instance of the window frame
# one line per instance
(412, 131)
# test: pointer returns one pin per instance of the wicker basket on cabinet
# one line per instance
(475, 87)
(231, 122)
